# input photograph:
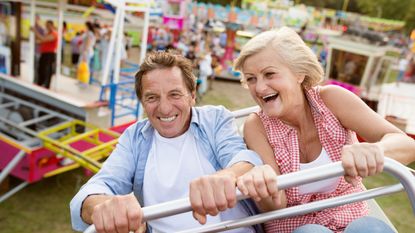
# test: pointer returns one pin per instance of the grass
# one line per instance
(397, 206)
(43, 207)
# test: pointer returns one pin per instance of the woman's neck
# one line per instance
(300, 117)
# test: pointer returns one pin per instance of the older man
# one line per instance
(157, 159)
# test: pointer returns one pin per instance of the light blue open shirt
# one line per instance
(123, 172)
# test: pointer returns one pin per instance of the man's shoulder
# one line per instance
(210, 115)
(136, 128)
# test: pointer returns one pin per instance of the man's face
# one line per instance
(167, 101)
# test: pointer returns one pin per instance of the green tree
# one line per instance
(390, 9)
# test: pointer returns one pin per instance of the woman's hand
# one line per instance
(363, 159)
(260, 183)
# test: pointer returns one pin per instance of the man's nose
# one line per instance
(164, 105)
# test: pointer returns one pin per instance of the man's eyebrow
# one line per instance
(148, 93)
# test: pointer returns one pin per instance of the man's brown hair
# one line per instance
(163, 60)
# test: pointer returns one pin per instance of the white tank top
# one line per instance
(172, 163)
(324, 186)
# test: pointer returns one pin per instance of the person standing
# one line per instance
(48, 44)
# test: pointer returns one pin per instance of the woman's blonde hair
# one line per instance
(289, 49)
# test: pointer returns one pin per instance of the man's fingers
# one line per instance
(141, 229)
(134, 217)
(208, 199)
(196, 200)
(230, 193)
(97, 219)
(199, 217)
(219, 193)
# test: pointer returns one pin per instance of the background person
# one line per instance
(48, 43)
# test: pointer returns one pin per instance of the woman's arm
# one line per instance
(354, 114)
(261, 182)
(383, 138)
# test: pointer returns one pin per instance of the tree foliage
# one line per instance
(388, 9)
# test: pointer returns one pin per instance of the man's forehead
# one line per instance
(166, 72)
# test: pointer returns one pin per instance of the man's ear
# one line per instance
(193, 94)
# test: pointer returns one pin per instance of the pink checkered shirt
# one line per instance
(333, 136)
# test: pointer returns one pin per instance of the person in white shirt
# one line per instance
(179, 151)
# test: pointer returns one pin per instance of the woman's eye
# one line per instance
(250, 79)
(269, 74)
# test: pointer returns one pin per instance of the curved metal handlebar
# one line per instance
(245, 111)
(287, 181)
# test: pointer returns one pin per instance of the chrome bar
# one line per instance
(9, 167)
(245, 111)
(13, 191)
(286, 181)
(36, 120)
(297, 210)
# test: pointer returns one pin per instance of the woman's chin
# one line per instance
(271, 112)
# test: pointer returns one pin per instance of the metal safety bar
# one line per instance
(245, 111)
(287, 181)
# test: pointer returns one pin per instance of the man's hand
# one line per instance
(211, 194)
(121, 213)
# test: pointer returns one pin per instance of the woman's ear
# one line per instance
(300, 78)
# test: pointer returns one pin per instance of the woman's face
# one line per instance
(275, 88)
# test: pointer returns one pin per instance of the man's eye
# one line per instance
(176, 95)
(150, 99)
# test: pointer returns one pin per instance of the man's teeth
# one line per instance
(167, 119)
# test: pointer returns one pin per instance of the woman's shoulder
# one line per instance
(333, 95)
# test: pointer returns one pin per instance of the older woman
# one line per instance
(303, 125)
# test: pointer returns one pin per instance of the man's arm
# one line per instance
(217, 192)
(114, 178)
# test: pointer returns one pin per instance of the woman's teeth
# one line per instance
(270, 97)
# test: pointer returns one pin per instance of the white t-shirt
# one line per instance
(324, 186)
(205, 65)
(171, 165)
(403, 63)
